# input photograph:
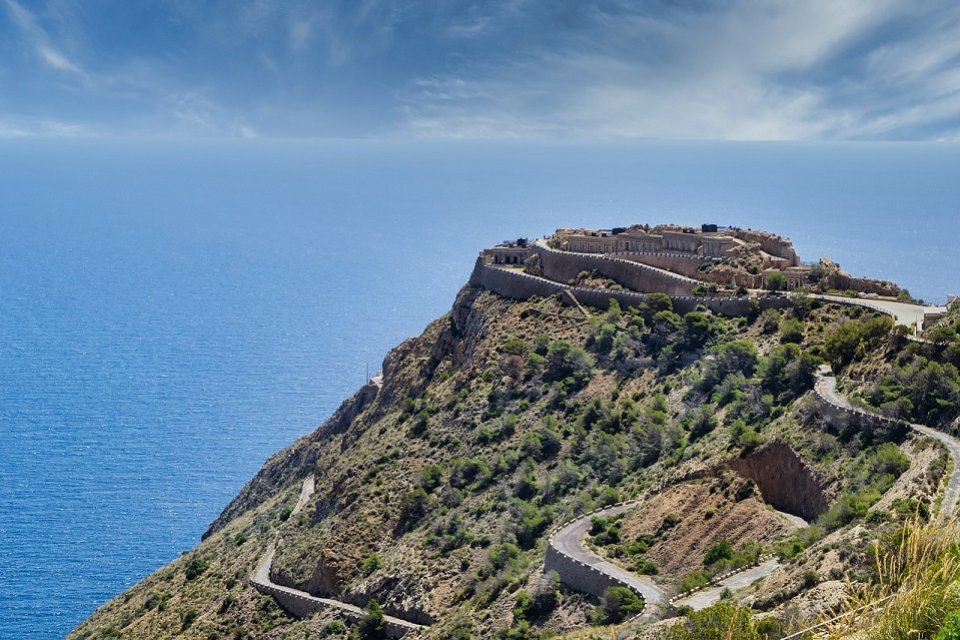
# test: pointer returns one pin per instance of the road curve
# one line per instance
(569, 542)
(905, 313)
(827, 390)
(706, 597)
(262, 582)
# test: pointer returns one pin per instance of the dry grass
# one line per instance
(919, 571)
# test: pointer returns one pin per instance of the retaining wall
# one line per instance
(836, 412)
(579, 576)
(302, 606)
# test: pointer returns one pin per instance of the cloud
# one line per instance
(738, 69)
(43, 129)
(821, 69)
(39, 40)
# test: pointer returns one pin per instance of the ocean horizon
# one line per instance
(173, 313)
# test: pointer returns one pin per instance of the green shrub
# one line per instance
(619, 603)
(431, 476)
(334, 628)
(720, 551)
(722, 621)
(950, 629)
(693, 580)
(370, 564)
(189, 616)
(196, 567)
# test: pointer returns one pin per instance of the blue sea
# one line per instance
(173, 313)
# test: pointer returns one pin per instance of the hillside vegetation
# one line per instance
(436, 492)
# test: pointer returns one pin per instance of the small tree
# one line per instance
(776, 281)
(373, 624)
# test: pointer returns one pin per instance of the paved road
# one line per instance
(905, 313)
(827, 388)
(707, 597)
(569, 542)
(261, 578)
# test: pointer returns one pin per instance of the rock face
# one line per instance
(784, 480)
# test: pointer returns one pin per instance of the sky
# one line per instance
(515, 69)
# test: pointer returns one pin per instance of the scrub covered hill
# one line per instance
(435, 492)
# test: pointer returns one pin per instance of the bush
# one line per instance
(334, 628)
(413, 506)
(950, 629)
(196, 567)
(370, 564)
(619, 603)
(431, 476)
(693, 580)
(889, 459)
(722, 621)
(189, 616)
(720, 551)
(568, 363)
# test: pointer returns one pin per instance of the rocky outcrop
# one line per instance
(784, 480)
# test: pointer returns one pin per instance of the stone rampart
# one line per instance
(564, 266)
(682, 263)
(512, 283)
(517, 285)
(580, 576)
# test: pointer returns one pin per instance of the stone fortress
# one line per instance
(724, 260)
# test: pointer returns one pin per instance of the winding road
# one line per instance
(706, 597)
(569, 542)
(904, 313)
(827, 390)
(303, 600)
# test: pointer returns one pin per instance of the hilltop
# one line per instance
(449, 490)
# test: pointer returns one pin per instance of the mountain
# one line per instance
(559, 456)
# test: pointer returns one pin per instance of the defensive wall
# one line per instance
(564, 266)
(517, 285)
(682, 263)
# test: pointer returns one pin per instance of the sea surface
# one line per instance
(173, 313)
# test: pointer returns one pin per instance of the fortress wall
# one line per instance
(512, 283)
(563, 266)
(518, 285)
(687, 265)
(515, 284)
(581, 577)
